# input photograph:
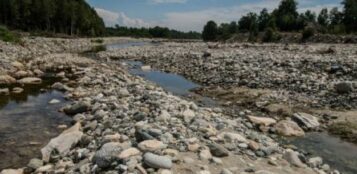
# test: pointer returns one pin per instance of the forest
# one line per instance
(155, 32)
(72, 17)
(286, 18)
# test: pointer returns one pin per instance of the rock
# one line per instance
(306, 121)
(315, 162)
(188, 115)
(54, 101)
(107, 154)
(61, 87)
(45, 169)
(12, 171)
(146, 68)
(232, 137)
(112, 138)
(77, 108)
(30, 80)
(226, 171)
(6, 80)
(218, 150)
(4, 91)
(63, 143)
(293, 158)
(18, 65)
(157, 162)
(205, 154)
(128, 153)
(151, 145)
(344, 87)
(38, 72)
(253, 145)
(17, 90)
(265, 121)
(20, 74)
(35, 163)
(289, 128)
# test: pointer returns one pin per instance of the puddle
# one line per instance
(337, 153)
(176, 84)
(28, 122)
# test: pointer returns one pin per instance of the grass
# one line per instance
(9, 36)
(345, 130)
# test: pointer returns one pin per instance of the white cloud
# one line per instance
(167, 1)
(195, 20)
(111, 18)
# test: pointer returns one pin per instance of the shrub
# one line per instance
(8, 36)
(307, 33)
(271, 35)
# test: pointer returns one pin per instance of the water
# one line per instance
(28, 122)
(337, 153)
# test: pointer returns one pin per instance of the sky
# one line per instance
(188, 15)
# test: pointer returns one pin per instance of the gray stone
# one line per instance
(107, 154)
(157, 162)
(77, 108)
(306, 121)
(218, 150)
(344, 87)
(293, 158)
(35, 163)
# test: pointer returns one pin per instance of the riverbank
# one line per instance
(125, 124)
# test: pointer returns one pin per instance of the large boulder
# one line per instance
(306, 121)
(289, 128)
(63, 143)
(6, 79)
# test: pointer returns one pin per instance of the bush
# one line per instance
(8, 36)
(307, 33)
(271, 35)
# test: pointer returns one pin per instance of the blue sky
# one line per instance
(187, 15)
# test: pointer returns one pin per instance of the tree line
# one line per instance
(287, 19)
(155, 32)
(72, 17)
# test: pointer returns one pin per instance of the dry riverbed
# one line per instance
(125, 124)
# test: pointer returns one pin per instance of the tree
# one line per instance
(350, 15)
(286, 15)
(263, 19)
(336, 21)
(322, 19)
(247, 22)
(210, 31)
(233, 27)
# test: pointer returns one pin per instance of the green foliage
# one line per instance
(350, 15)
(156, 32)
(271, 35)
(8, 36)
(322, 19)
(73, 17)
(307, 33)
(210, 31)
(263, 19)
(286, 15)
(248, 22)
